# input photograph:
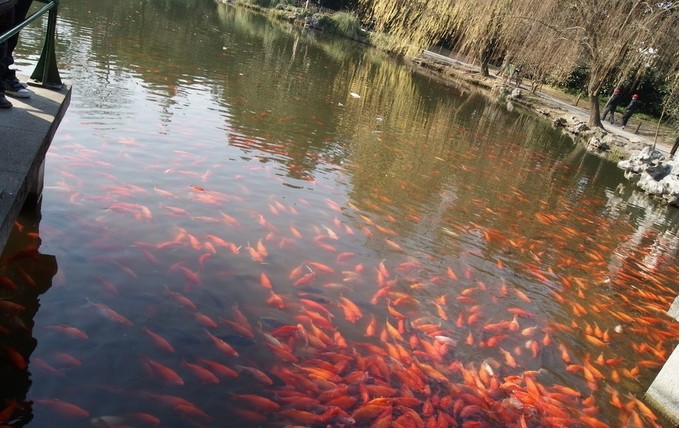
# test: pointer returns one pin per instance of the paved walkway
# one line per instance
(628, 133)
(26, 131)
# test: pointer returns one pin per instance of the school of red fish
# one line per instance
(390, 344)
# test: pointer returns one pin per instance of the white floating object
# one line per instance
(354, 94)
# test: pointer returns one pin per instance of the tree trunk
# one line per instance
(659, 124)
(594, 112)
(484, 67)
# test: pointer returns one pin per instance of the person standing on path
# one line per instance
(9, 84)
(631, 108)
(612, 104)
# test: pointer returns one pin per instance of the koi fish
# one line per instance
(350, 310)
(204, 375)
(219, 369)
(68, 330)
(162, 372)
(265, 281)
(63, 408)
(110, 313)
(276, 300)
(159, 340)
(256, 373)
(223, 346)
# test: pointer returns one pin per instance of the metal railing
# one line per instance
(46, 71)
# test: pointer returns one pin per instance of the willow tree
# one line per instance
(412, 25)
(611, 39)
(477, 26)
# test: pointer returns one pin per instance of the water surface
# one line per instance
(248, 224)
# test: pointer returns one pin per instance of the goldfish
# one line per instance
(223, 346)
(203, 374)
(350, 310)
(219, 369)
(256, 373)
(110, 313)
(162, 372)
(70, 331)
(159, 340)
(63, 408)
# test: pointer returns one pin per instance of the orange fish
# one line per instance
(159, 340)
(256, 402)
(305, 279)
(316, 307)
(276, 301)
(205, 375)
(63, 408)
(350, 310)
(162, 372)
(218, 369)
(68, 330)
(223, 346)
(180, 298)
(258, 374)
(371, 327)
(205, 320)
(265, 281)
(110, 313)
(245, 331)
(321, 267)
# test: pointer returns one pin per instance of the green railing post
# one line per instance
(46, 71)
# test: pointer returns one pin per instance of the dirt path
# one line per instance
(554, 103)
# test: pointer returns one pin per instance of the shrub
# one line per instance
(343, 23)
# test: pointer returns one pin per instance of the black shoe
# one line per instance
(4, 102)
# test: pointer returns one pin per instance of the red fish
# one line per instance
(239, 328)
(223, 346)
(204, 375)
(63, 408)
(257, 402)
(110, 313)
(219, 369)
(68, 330)
(162, 372)
(180, 298)
(350, 310)
(159, 340)
(265, 281)
(276, 301)
(256, 373)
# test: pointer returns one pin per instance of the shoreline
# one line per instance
(644, 157)
(644, 161)
(623, 144)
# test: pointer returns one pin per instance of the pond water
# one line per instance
(247, 224)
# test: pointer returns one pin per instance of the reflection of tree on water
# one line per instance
(24, 275)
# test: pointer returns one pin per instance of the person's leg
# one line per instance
(6, 20)
(625, 118)
(20, 12)
(10, 83)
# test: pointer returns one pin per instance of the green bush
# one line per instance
(343, 23)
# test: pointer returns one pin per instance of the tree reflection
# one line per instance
(25, 274)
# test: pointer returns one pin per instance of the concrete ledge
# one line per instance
(663, 394)
(26, 132)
